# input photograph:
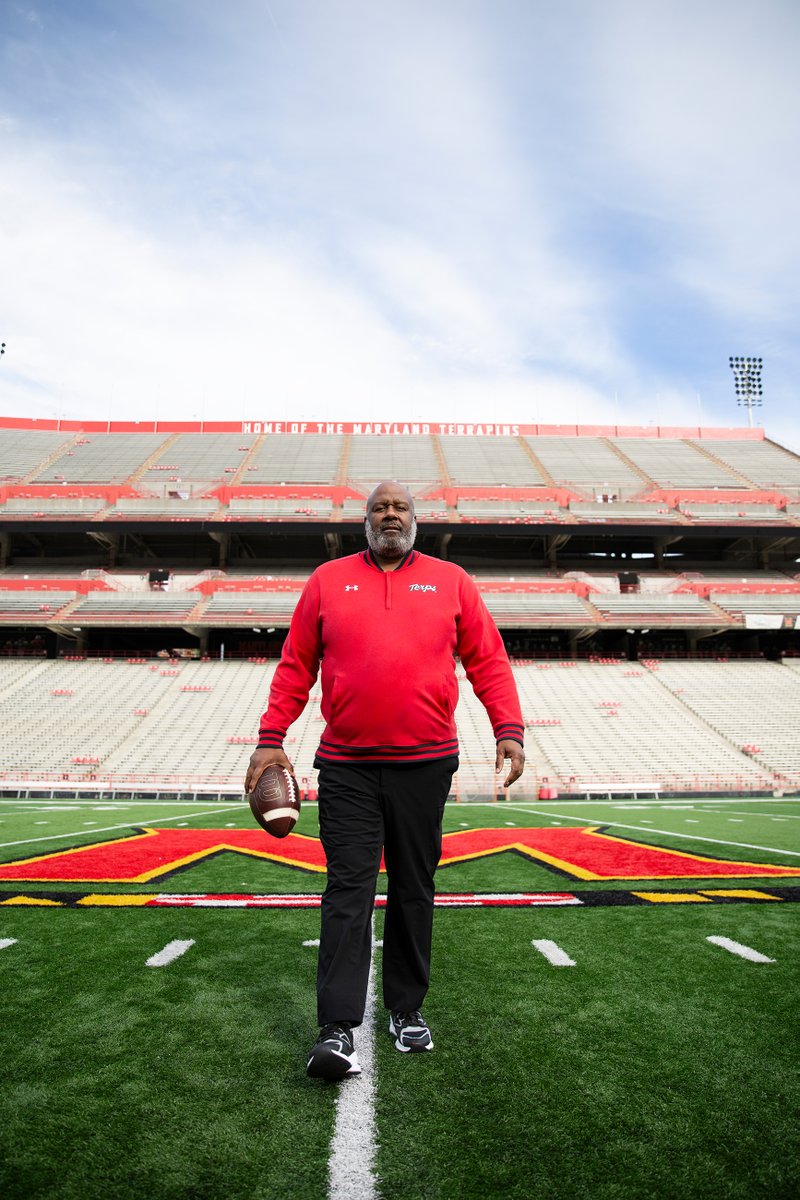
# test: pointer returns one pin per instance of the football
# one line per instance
(275, 801)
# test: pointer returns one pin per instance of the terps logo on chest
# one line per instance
(587, 853)
(422, 587)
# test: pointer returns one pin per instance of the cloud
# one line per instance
(109, 322)
(339, 209)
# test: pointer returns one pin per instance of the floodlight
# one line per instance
(747, 382)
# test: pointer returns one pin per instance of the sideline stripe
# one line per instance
(351, 1166)
(553, 953)
(695, 837)
(6, 942)
(171, 951)
(737, 948)
(54, 837)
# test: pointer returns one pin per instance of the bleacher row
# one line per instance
(511, 606)
(590, 726)
(589, 463)
(324, 508)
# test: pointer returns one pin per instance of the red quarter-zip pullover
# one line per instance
(387, 642)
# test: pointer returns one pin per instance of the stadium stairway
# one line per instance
(712, 457)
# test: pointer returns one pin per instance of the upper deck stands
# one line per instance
(500, 461)
(295, 458)
(674, 463)
(102, 458)
(199, 457)
(557, 478)
(21, 450)
(590, 463)
(411, 460)
(763, 463)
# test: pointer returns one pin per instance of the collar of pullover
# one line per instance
(405, 561)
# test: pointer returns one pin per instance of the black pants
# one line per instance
(363, 810)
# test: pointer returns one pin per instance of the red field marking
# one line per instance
(584, 853)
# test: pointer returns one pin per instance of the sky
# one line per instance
(481, 210)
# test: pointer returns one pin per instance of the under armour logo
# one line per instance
(351, 587)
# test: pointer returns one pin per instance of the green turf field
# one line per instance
(658, 1065)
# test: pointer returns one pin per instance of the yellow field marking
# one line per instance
(738, 893)
(111, 901)
(672, 897)
(33, 900)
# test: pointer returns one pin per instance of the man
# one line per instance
(386, 625)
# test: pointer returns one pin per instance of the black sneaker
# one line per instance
(410, 1031)
(333, 1055)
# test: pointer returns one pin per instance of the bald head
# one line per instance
(392, 490)
(390, 525)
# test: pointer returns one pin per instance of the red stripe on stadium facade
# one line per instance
(387, 428)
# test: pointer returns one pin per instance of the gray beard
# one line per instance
(390, 543)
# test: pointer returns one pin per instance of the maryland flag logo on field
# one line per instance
(587, 853)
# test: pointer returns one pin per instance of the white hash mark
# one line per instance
(171, 951)
(553, 953)
(742, 951)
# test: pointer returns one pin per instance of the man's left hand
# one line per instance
(508, 748)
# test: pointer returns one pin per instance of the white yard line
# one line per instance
(553, 953)
(742, 951)
(171, 951)
(351, 1166)
(54, 837)
(666, 803)
(695, 837)
(719, 812)
(90, 803)
(6, 942)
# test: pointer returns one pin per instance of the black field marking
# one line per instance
(750, 893)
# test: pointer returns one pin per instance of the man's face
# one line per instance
(390, 524)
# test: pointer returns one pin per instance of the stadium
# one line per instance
(627, 953)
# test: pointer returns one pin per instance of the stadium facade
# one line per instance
(645, 581)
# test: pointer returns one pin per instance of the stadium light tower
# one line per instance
(747, 380)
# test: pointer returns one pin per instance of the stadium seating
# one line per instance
(586, 510)
(32, 605)
(618, 724)
(199, 458)
(762, 463)
(102, 458)
(489, 460)
(57, 506)
(673, 462)
(146, 506)
(21, 450)
(656, 606)
(537, 608)
(152, 606)
(586, 463)
(747, 703)
(411, 459)
(758, 602)
(591, 726)
(296, 458)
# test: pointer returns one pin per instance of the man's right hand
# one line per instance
(260, 759)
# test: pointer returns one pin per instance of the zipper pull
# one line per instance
(388, 576)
